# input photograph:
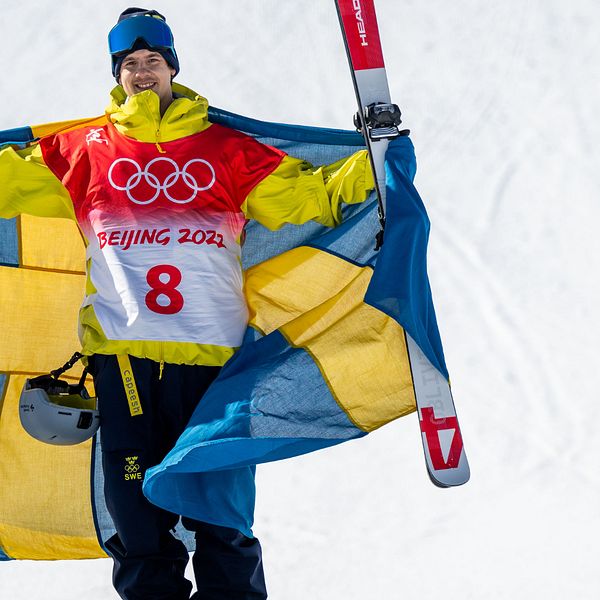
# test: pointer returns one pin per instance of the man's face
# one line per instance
(146, 70)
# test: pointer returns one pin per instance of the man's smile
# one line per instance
(146, 85)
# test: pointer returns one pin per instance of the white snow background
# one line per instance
(502, 99)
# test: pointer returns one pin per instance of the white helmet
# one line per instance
(56, 412)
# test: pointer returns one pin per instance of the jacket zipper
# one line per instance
(161, 359)
(157, 133)
(157, 143)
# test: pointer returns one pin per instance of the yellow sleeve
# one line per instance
(28, 186)
(297, 192)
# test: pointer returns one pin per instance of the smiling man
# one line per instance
(147, 70)
(161, 196)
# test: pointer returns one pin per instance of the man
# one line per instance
(161, 196)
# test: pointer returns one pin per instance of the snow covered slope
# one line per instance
(502, 99)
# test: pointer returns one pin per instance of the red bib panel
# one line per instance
(163, 228)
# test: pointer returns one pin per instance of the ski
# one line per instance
(378, 120)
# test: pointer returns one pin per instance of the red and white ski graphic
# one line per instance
(442, 440)
(363, 46)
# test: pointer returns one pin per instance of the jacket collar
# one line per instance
(139, 117)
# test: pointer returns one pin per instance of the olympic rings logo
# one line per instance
(132, 468)
(154, 182)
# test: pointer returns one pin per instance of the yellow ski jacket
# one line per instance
(286, 190)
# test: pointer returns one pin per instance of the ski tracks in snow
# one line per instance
(522, 392)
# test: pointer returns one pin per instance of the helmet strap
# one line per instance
(58, 372)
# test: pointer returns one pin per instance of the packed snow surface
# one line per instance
(502, 100)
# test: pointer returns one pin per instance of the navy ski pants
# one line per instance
(149, 562)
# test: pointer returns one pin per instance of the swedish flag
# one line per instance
(324, 360)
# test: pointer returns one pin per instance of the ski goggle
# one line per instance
(153, 30)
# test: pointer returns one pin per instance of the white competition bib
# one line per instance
(169, 282)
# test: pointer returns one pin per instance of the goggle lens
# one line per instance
(155, 32)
